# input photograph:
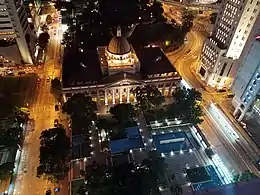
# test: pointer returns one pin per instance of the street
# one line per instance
(238, 155)
(43, 112)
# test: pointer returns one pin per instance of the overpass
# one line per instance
(203, 7)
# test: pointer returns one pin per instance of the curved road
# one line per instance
(237, 156)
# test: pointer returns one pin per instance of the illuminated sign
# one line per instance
(167, 141)
(257, 37)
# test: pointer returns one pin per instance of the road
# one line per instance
(237, 154)
(43, 112)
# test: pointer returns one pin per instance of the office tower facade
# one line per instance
(246, 86)
(246, 78)
(233, 26)
(17, 39)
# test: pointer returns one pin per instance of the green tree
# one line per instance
(187, 21)
(148, 98)
(48, 19)
(56, 87)
(54, 151)
(176, 188)
(186, 105)
(82, 110)
(123, 112)
(122, 179)
(245, 176)
(11, 136)
(43, 39)
(6, 170)
(157, 164)
(213, 17)
(44, 28)
(80, 105)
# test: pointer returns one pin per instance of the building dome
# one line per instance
(119, 46)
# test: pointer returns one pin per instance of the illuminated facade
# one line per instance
(233, 26)
(246, 85)
(122, 69)
(14, 27)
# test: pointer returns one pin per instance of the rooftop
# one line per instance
(81, 68)
(133, 141)
(154, 61)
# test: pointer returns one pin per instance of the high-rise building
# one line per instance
(246, 86)
(233, 26)
(17, 39)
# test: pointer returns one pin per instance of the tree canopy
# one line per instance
(148, 98)
(43, 39)
(186, 105)
(245, 176)
(80, 105)
(82, 110)
(54, 151)
(129, 179)
(187, 21)
(11, 136)
(48, 19)
(6, 170)
(123, 112)
(56, 87)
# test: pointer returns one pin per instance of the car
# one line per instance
(56, 123)
(56, 107)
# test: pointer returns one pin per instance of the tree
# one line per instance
(44, 28)
(54, 151)
(123, 112)
(80, 105)
(245, 176)
(187, 21)
(156, 163)
(213, 17)
(6, 170)
(127, 178)
(43, 39)
(11, 136)
(148, 98)
(56, 87)
(48, 19)
(82, 110)
(186, 105)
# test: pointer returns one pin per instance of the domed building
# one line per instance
(120, 56)
(110, 74)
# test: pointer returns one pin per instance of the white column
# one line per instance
(120, 96)
(113, 94)
(106, 103)
(128, 95)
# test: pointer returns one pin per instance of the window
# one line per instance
(4, 28)
(223, 69)
(4, 22)
(251, 18)
(255, 10)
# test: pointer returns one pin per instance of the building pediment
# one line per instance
(125, 82)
